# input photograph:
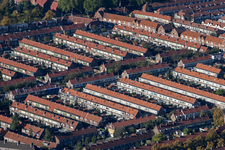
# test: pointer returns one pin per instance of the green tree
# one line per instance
(200, 148)
(104, 137)
(131, 130)
(220, 92)
(49, 15)
(6, 21)
(158, 137)
(11, 4)
(24, 5)
(103, 29)
(94, 27)
(220, 142)
(78, 146)
(39, 124)
(92, 5)
(200, 141)
(212, 135)
(218, 117)
(210, 145)
(65, 5)
(15, 125)
(94, 139)
(189, 143)
(87, 140)
(186, 131)
(48, 135)
(222, 134)
(1, 79)
(30, 133)
(202, 113)
(177, 145)
(27, 16)
(155, 147)
(37, 13)
(119, 132)
(46, 39)
(213, 34)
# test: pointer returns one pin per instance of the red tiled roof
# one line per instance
(35, 129)
(40, 31)
(68, 122)
(91, 78)
(5, 119)
(133, 121)
(196, 59)
(32, 89)
(107, 40)
(104, 102)
(200, 75)
(123, 97)
(57, 50)
(7, 72)
(40, 2)
(171, 53)
(192, 110)
(152, 14)
(27, 140)
(18, 65)
(77, 133)
(203, 49)
(44, 56)
(158, 90)
(147, 68)
(171, 141)
(126, 61)
(123, 141)
(14, 81)
(208, 68)
(54, 6)
(90, 45)
(64, 73)
(183, 87)
(183, 122)
(83, 116)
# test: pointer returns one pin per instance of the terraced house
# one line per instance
(18, 138)
(161, 95)
(101, 79)
(5, 122)
(59, 76)
(112, 43)
(127, 21)
(17, 81)
(137, 123)
(192, 62)
(21, 94)
(41, 58)
(124, 99)
(35, 46)
(199, 78)
(156, 38)
(63, 110)
(104, 67)
(153, 69)
(46, 118)
(183, 89)
(152, 16)
(19, 67)
(208, 70)
(93, 48)
(93, 102)
(8, 74)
